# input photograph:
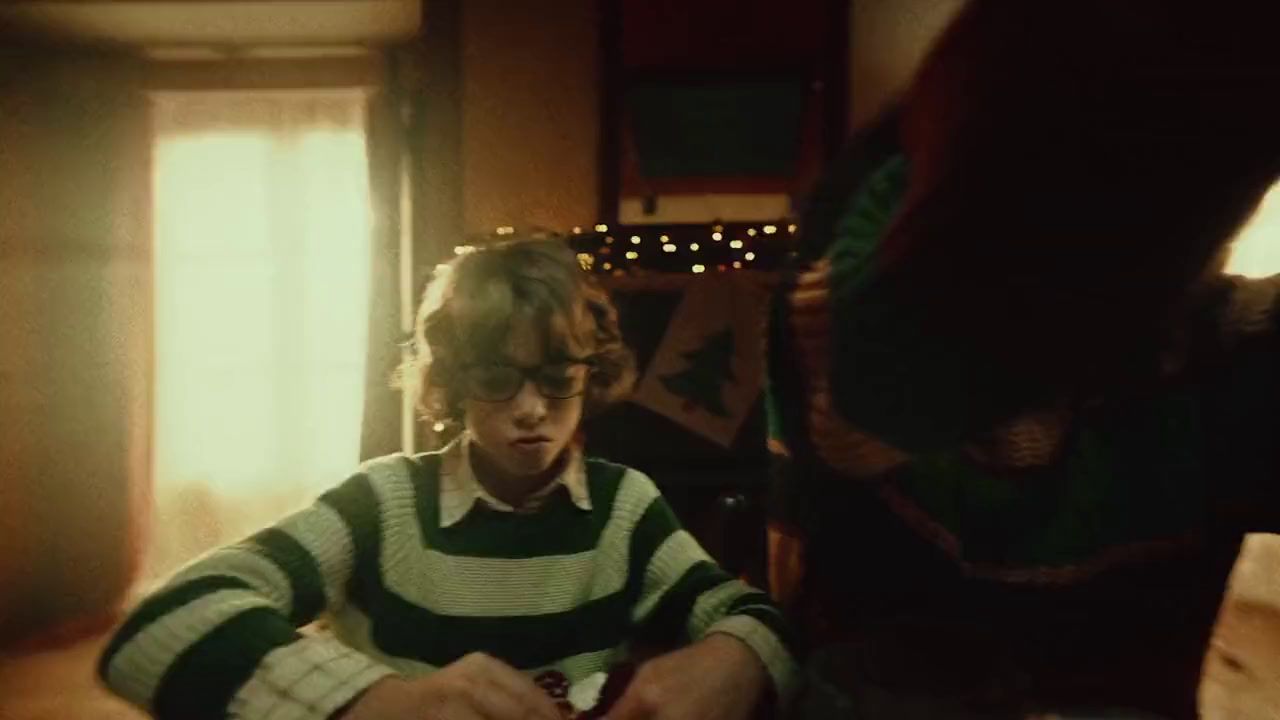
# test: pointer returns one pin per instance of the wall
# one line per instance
(888, 39)
(530, 104)
(74, 326)
(530, 114)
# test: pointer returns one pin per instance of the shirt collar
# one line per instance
(460, 490)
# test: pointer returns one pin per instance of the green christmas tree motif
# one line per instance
(710, 367)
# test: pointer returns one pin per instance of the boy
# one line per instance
(450, 578)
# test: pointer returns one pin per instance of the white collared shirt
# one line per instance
(460, 490)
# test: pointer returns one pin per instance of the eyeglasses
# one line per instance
(497, 382)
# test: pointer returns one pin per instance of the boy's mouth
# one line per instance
(531, 441)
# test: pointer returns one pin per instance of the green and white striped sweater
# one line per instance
(560, 588)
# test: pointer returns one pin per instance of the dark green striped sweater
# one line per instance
(560, 588)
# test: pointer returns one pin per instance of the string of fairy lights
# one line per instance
(621, 250)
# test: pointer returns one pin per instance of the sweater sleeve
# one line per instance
(220, 639)
(683, 592)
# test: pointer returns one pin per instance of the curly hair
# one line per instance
(471, 303)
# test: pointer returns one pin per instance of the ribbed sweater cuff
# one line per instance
(310, 679)
(777, 660)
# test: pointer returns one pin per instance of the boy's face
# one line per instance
(523, 436)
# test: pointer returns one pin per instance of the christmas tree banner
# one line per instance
(709, 368)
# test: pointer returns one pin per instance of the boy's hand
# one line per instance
(477, 687)
(716, 678)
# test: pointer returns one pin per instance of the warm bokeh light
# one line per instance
(262, 271)
(1256, 251)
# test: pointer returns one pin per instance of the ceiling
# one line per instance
(220, 22)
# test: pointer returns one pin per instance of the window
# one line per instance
(262, 271)
(1257, 248)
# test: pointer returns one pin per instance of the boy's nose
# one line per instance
(529, 407)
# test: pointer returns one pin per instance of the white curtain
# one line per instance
(262, 267)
